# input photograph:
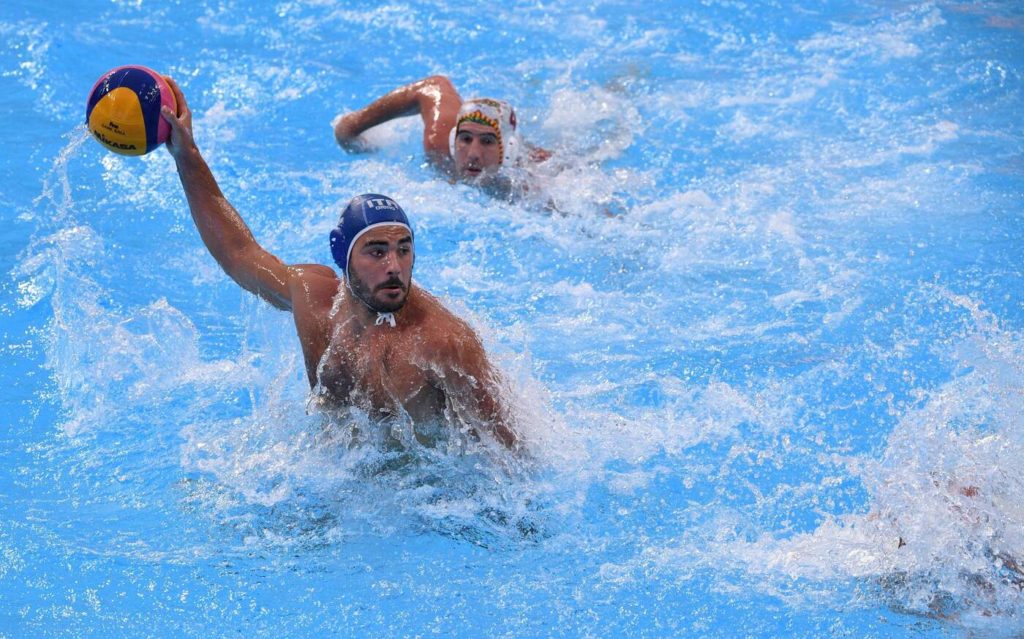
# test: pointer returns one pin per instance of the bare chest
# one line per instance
(381, 370)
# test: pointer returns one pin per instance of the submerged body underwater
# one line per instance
(760, 318)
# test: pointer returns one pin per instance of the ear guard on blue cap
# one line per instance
(362, 212)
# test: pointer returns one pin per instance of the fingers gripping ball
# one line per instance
(123, 112)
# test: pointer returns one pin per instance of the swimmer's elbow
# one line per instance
(439, 83)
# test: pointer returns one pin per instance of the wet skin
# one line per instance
(380, 267)
(475, 158)
(477, 151)
(430, 366)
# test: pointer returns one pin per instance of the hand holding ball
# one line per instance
(123, 111)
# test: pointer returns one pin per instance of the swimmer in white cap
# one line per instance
(370, 338)
(470, 139)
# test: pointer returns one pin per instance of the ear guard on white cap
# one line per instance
(497, 114)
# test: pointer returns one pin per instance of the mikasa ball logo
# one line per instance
(117, 145)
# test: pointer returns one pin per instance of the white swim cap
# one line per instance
(497, 114)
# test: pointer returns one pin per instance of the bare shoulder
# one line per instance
(313, 285)
(447, 334)
(436, 313)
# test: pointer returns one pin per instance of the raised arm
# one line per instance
(224, 232)
(434, 98)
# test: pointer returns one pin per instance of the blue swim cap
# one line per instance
(364, 211)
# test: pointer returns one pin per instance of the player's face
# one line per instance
(380, 268)
(477, 150)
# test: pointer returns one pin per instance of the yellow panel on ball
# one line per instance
(117, 122)
(123, 111)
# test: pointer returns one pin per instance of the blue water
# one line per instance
(775, 327)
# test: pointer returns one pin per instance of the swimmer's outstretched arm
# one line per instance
(224, 232)
(434, 98)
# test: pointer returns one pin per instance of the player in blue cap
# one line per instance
(370, 339)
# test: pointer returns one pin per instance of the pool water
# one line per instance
(761, 316)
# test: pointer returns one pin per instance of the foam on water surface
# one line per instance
(759, 313)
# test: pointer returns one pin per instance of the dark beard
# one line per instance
(363, 294)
